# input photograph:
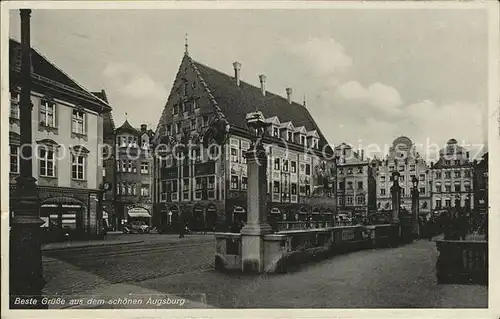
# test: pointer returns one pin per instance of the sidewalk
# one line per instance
(88, 243)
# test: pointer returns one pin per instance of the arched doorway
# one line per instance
(197, 219)
(302, 214)
(64, 218)
(239, 215)
(211, 217)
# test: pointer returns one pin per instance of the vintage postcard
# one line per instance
(254, 159)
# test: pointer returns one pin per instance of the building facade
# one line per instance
(206, 188)
(132, 175)
(452, 178)
(355, 183)
(67, 126)
(404, 159)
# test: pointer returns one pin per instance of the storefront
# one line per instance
(138, 214)
(64, 219)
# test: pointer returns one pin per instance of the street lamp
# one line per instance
(414, 207)
(396, 197)
(26, 273)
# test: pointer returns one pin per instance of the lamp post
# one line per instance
(414, 207)
(396, 197)
(25, 259)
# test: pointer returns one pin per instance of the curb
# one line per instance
(92, 245)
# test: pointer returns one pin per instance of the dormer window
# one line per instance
(290, 136)
(275, 132)
(302, 140)
(185, 89)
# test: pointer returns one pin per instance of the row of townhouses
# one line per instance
(206, 187)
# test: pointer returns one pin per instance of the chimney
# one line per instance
(263, 78)
(144, 127)
(237, 68)
(362, 155)
(289, 95)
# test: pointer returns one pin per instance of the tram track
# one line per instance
(83, 254)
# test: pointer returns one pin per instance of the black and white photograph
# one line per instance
(173, 156)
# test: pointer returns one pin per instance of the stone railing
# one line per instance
(462, 262)
(286, 250)
(302, 225)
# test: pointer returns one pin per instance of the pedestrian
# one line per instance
(182, 229)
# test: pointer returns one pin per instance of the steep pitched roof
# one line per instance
(46, 71)
(237, 101)
(107, 117)
(126, 127)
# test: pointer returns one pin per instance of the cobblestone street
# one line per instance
(397, 277)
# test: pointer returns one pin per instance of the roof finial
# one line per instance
(126, 116)
(304, 103)
(186, 44)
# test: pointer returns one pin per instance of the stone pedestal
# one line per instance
(252, 234)
(396, 203)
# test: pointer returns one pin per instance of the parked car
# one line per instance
(137, 227)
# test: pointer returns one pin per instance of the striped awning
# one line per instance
(66, 202)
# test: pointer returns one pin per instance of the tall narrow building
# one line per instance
(206, 188)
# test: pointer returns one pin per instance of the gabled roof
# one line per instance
(274, 120)
(301, 129)
(46, 72)
(287, 125)
(313, 133)
(108, 123)
(236, 101)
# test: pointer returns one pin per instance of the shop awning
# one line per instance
(138, 212)
(66, 202)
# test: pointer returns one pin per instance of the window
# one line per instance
(402, 192)
(341, 185)
(439, 188)
(293, 167)
(391, 168)
(129, 189)
(285, 165)
(438, 174)
(341, 200)
(175, 109)
(458, 188)
(46, 162)
(14, 159)
(457, 174)
(14, 105)
(360, 170)
(211, 182)
(275, 132)
(77, 167)
(308, 190)
(78, 122)
(467, 188)
(448, 203)
(47, 114)
(360, 200)
(234, 182)
(193, 124)
(169, 129)
(447, 174)
(412, 167)
(467, 174)
(448, 188)
(276, 163)
(308, 169)
(144, 190)
(349, 185)
(447, 162)
(360, 185)
(457, 162)
(382, 179)
(144, 168)
(422, 190)
(185, 184)
(185, 88)
(244, 183)
(276, 187)
(290, 136)
(198, 183)
(134, 189)
(401, 179)
(302, 140)
(341, 171)
(401, 168)
(234, 155)
(195, 101)
(349, 200)
(438, 203)
(382, 191)
(205, 120)
(422, 177)
(349, 170)
(293, 187)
